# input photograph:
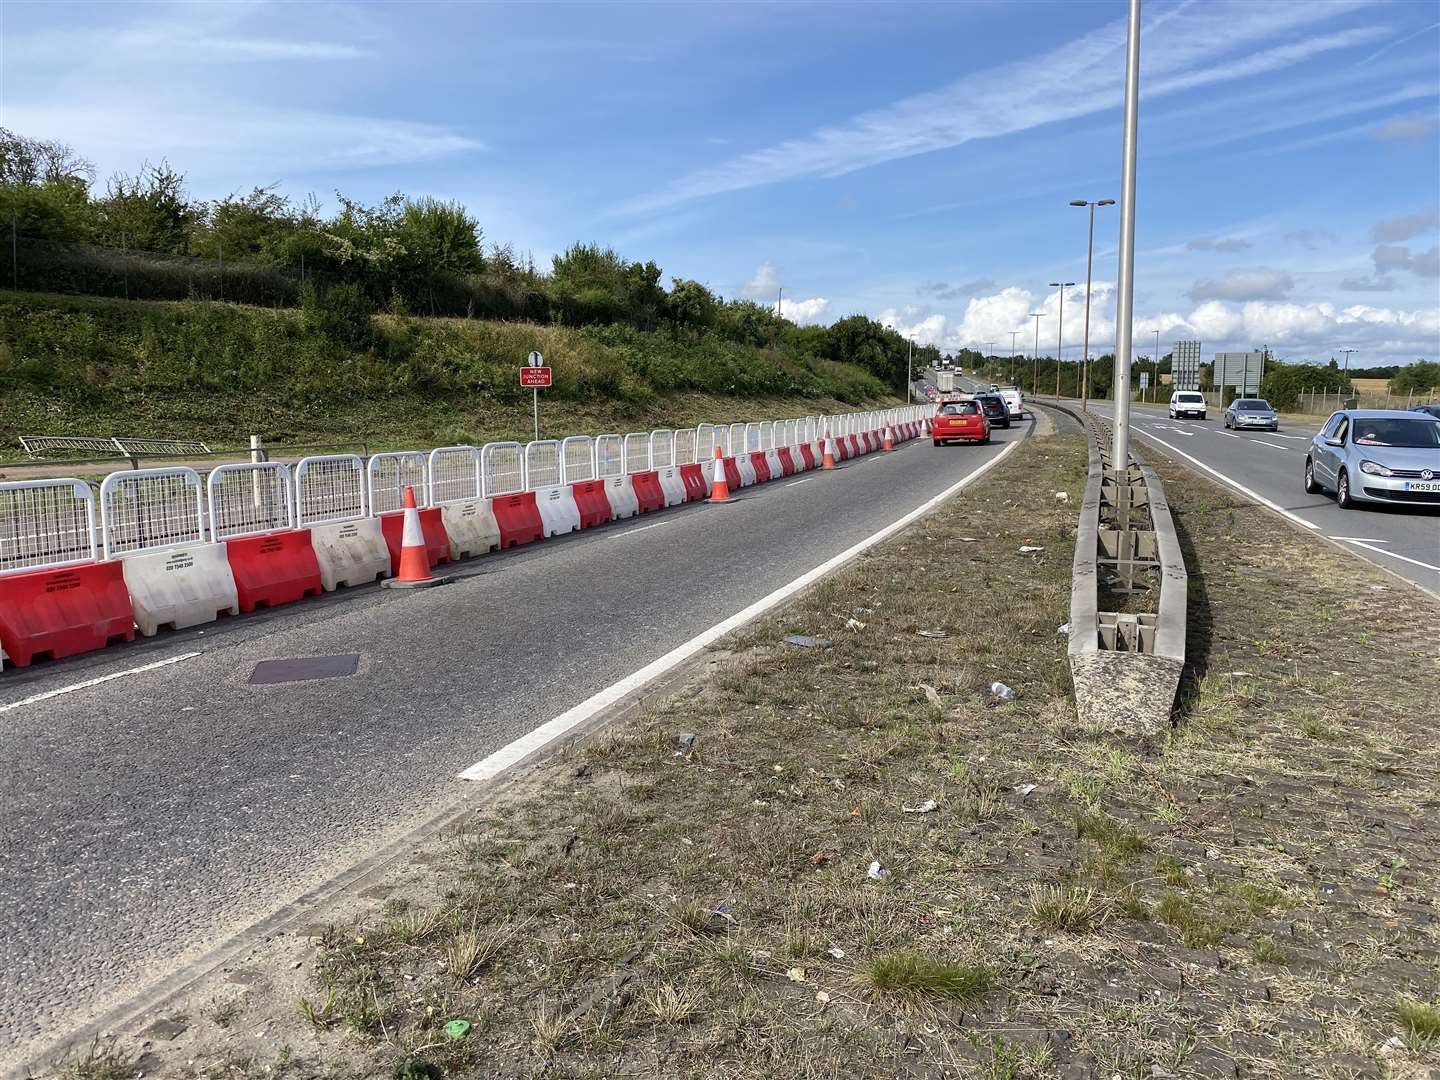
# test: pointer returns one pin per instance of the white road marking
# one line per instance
(48, 694)
(1227, 434)
(642, 528)
(794, 482)
(1393, 554)
(1271, 445)
(1236, 484)
(1362, 539)
(571, 718)
(1277, 435)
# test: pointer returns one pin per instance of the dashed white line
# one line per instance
(794, 482)
(642, 528)
(568, 721)
(1234, 483)
(1362, 539)
(1271, 445)
(1227, 434)
(48, 694)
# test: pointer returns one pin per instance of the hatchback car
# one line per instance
(1378, 456)
(995, 409)
(1251, 414)
(1428, 410)
(957, 421)
(1187, 403)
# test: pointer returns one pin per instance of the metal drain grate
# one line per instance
(304, 669)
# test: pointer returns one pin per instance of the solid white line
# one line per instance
(48, 694)
(1235, 484)
(1361, 539)
(805, 481)
(572, 718)
(1393, 554)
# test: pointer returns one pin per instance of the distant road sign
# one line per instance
(536, 360)
(1185, 365)
(1144, 380)
(535, 376)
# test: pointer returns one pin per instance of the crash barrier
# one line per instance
(168, 547)
(1126, 666)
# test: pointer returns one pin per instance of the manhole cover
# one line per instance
(304, 668)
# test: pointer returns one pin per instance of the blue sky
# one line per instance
(910, 161)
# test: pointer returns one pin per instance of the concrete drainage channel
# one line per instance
(1126, 662)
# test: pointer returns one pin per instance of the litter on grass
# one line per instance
(1064, 629)
(878, 872)
(854, 624)
(932, 633)
(929, 806)
(1000, 692)
(805, 641)
(1026, 549)
(931, 695)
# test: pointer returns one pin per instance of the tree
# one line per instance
(690, 306)
(1421, 377)
(440, 245)
(1284, 383)
(149, 211)
(256, 226)
(35, 162)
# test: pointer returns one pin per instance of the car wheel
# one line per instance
(985, 441)
(1202, 416)
(1342, 492)
(1312, 487)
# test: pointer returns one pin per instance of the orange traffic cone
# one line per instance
(414, 561)
(889, 443)
(828, 461)
(719, 488)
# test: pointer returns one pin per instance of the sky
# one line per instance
(911, 162)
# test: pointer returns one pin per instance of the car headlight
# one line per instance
(1374, 468)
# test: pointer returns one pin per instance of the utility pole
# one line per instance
(1035, 356)
(910, 371)
(1125, 291)
(1089, 265)
(780, 303)
(1013, 335)
(1155, 368)
(1059, 334)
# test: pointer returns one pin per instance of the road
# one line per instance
(146, 819)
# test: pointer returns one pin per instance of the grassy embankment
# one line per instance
(1255, 893)
(220, 372)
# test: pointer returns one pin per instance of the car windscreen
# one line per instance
(1191, 398)
(1253, 405)
(1392, 431)
(959, 408)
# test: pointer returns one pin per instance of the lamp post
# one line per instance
(1089, 263)
(1059, 333)
(1035, 356)
(1155, 368)
(1125, 280)
(1013, 335)
(910, 371)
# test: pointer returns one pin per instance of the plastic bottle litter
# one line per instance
(805, 641)
(1024, 790)
(1001, 692)
(1026, 549)
(932, 633)
(929, 806)
(878, 872)
(1064, 629)
(837, 952)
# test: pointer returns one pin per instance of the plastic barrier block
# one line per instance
(180, 586)
(648, 494)
(772, 459)
(760, 465)
(620, 494)
(558, 512)
(350, 552)
(471, 527)
(693, 477)
(63, 612)
(746, 469)
(732, 474)
(276, 568)
(518, 518)
(590, 500)
(672, 485)
(787, 463)
(432, 526)
(807, 454)
(856, 448)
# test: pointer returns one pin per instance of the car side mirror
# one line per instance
(1334, 442)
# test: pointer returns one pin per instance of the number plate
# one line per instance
(1422, 485)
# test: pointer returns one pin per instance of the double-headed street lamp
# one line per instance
(1089, 262)
(1059, 334)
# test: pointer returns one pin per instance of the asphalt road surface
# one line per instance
(146, 819)
(1405, 539)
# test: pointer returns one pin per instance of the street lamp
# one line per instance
(1125, 278)
(1155, 366)
(1013, 335)
(1035, 356)
(1059, 334)
(1089, 261)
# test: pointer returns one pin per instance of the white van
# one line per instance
(1187, 403)
(1014, 402)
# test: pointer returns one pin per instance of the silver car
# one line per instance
(1251, 413)
(1377, 456)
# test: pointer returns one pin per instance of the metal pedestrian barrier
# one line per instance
(388, 475)
(248, 500)
(609, 456)
(329, 489)
(454, 474)
(542, 464)
(637, 452)
(577, 459)
(149, 509)
(662, 448)
(46, 523)
(502, 469)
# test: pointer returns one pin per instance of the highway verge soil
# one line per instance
(853, 859)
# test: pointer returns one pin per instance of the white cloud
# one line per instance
(765, 284)
(813, 310)
(1395, 229)
(1189, 46)
(1222, 243)
(1259, 283)
(1389, 257)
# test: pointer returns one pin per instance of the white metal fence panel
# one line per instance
(685, 443)
(767, 435)
(247, 500)
(147, 509)
(662, 448)
(577, 459)
(637, 452)
(752, 438)
(329, 489)
(46, 523)
(736, 443)
(388, 475)
(502, 469)
(542, 464)
(609, 457)
(454, 474)
(707, 437)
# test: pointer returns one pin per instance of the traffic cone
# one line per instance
(889, 443)
(719, 488)
(414, 561)
(828, 461)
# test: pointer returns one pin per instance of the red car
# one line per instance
(960, 420)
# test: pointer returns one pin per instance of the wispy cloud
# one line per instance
(1184, 49)
(1398, 41)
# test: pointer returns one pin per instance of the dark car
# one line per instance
(996, 411)
(1429, 410)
